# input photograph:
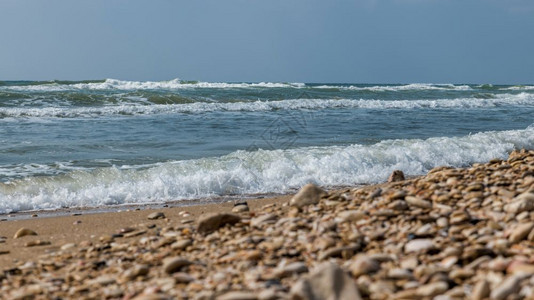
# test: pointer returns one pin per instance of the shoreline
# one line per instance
(443, 233)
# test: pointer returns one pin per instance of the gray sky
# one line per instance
(363, 41)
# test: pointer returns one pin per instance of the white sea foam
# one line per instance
(398, 88)
(114, 84)
(123, 85)
(519, 88)
(262, 171)
(522, 99)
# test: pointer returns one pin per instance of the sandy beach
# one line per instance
(454, 233)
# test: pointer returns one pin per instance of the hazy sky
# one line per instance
(359, 41)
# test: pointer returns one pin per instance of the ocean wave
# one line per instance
(398, 88)
(123, 85)
(253, 172)
(519, 88)
(175, 84)
(135, 108)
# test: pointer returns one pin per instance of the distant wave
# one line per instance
(141, 107)
(123, 85)
(398, 88)
(261, 171)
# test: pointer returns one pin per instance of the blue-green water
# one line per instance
(106, 142)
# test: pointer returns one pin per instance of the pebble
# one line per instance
(238, 295)
(156, 215)
(418, 245)
(417, 202)
(212, 221)
(508, 287)
(24, 232)
(520, 232)
(432, 289)
(135, 271)
(364, 265)
(37, 243)
(351, 216)
(181, 244)
(521, 203)
(481, 290)
(308, 195)
(174, 264)
(396, 175)
(290, 269)
(328, 281)
(258, 221)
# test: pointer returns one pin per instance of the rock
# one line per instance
(327, 282)
(520, 232)
(174, 264)
(508, 287)
(432, 289)
(481, 290)
(364, 265)
(396, 175)
(419, 245)
(519, 267)
(156, 215)
(37, 243)
(256, 222)
(417, 202)
(213, 221)
(351, 216)
(135, 271)
(241, 295)
(24, 232)
(240, 208)
(290, 269)
(308, 195)
(181, 244)
(521, 203)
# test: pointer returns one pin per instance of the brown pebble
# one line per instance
(174, 264)
(24, 232)
(156, 215)
(37, 243)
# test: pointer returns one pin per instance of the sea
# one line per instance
(106, 143)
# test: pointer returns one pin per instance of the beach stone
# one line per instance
(212, 221)
(24, 232)
(308, 195)
(508, 287)
(290, 269)
(396, 175)
(37, 243)
(417, 202)
(398, 205)
(481, 290)
(329, 282)
(432, 289)
(156, 215)
(181, 244)
(240, 208)
(174, 264)
(520, 267)
(418, 245)
(400, 273)
(135, 271)
(364, 265)
(520, 232)
(521, 203)
(238, 295)
(351, 216)
(257, 221)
